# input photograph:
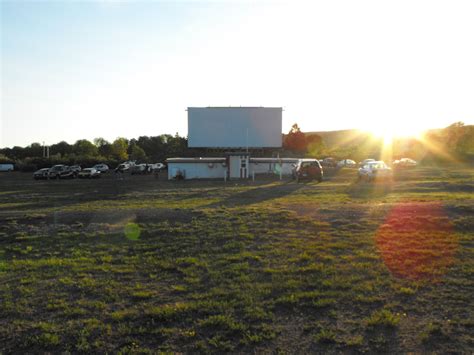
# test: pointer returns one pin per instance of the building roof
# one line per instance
(236, 107)
(274, 160)
(223, 160)
(196, 160)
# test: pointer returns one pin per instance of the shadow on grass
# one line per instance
(368, 190)
(258, 194)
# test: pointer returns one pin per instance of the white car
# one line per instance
(89, 173)
(365, 161)
(404, 163)
(346, 162)
(157, 166)
(375, 170)
(103, 168)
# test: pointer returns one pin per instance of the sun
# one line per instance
(388, 132)
(386, 135)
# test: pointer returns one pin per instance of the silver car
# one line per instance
(374, 170)
(103, 168)
(89, 173)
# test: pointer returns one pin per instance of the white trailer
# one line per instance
(6, 167)
(197, 168)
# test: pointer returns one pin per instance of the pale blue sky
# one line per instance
(76, 69)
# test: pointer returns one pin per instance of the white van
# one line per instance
(6, 167)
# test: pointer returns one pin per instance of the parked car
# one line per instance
(103, 168)
(122, 168)
(41, 174)
(346, 162)
(6, 167)
(60, 172)
(404, 163)
(125, 166)
(89, 173)
(140, 169)
(75, 169)
(308, 169)
(365, 161)
(157, 166)
(329, 162)
(375, 170)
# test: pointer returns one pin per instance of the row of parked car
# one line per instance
(62, 171)
(139, 169)
(369, 169)
(399, 163)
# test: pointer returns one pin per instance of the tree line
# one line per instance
(147, 149)
(455, 142)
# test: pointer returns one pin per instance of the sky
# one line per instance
(85, 69)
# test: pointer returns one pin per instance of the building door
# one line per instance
(238, 166)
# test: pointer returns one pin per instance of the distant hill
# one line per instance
(342, 138)
(456, 139)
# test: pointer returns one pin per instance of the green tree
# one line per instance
(63, 148)
(137, 153)
(83, 147)
(315, 145)
(104, 147)
(119, 149)
(34, 150)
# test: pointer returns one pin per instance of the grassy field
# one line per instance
(141, 265)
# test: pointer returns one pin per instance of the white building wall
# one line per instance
(205, 170)
(197, 170)
(261, 168)
(271, 168)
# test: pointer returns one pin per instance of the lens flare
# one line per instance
(417, 241)
(132, 231)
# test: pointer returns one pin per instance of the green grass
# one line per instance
(151, 266)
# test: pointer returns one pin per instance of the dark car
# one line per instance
(41, 174)
(61, 172)
(329, 162)
(308, 169)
